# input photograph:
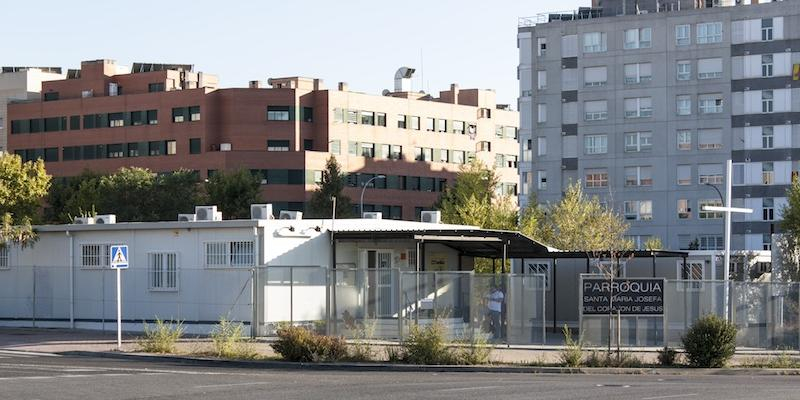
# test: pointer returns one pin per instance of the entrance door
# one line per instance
(379, 263)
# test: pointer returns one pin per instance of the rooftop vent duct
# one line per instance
(402, 79)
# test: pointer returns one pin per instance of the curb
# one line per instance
(386, 367)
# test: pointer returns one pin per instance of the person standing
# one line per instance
(495, 306)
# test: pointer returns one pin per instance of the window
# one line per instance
(162, 271)
(638, 176)
(709, 68)
(194, 113)
(766, 29)
(595, 144)
(684, 70)
(710, 242)
(638, 210)
(597, 178)
(541, 113)
(541, 146)
(683, 35)
(234, 254)
(539, 268)
(710, 103)
(638, 38)
(710, 32)
(155, 148)
(684, 175)
(367, 118)
(595, 110)
(155, 87)
(430, 124)
(74, 122)
(767, 137)
(94, 256)
(423, 154)
(152, 117)
(335, 146)
(308, 114)
(277, 145)
(368, 150)
(114, 151)
(768, 209)
(709, 139)
(594, 42)
(691, 271)
(308, 144)
(710, 173)
(401, 121)
(766, 244)
(415, 123)
(458, 157)
(684, 139)
(4, 250)
(704, 214)
(766, 65)
(458, 127)
(541, 80)
(684, 211)
(684, 104)
(595, 76)
(195, 146)
(278, 113)
(639, 107)
(51, 96)
(767, 101)
(179, 114)
(133, 149)
(541, 46)
(541, 179)
(767, 173)
(441, 125)
(638, 142)
(638, 73)
(380, 119)
(738, 174)
(115, 120)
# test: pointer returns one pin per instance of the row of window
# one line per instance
(430, 124)
(288, 113)
(100, 151)
(107, 120)
(642, 38)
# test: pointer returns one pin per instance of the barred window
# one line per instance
(162, 271)
(542, 268)
(94, 256)
(4, 256)
(235, 254)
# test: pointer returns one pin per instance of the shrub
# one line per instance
(394, 354)
(610, 360)
(161, 337)
(474, 352)
(360, 349)
(667, 356)
(710, 342)
(229, 341)
(299, 344)
(425, 345)
(572, 354)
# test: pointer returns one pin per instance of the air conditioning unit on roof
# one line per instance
(372, 215)
(105, 219)
(432, 217)
(83, 221)
(285, 214)
(187, 217)
(207, 213)
(261, 211)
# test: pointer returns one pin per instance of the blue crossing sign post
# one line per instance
(118, 259)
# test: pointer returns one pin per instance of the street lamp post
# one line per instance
(361, 202)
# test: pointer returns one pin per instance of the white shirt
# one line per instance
(496, 300)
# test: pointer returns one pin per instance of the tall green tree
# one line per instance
(474, 183)
(128, 193)
(333, 182)
(22, 187)
(233, 192)
(71, 197)
(788, 244)
(176, 193)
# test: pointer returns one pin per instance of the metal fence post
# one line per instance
(33, 311)
(291, 296)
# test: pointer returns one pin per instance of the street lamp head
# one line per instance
(381, 176)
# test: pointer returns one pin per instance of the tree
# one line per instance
(175, 193)
(333, 183)
(23, 186)
(653, 243)
(473, 180)
(128, 193)
(71, 197)
(233, 192)
(788, 244)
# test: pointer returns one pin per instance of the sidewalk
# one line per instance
(82, 341)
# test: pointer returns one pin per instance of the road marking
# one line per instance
(672, 396)
(70, 376)
(469, 388)
(231, 384)
(22, 353)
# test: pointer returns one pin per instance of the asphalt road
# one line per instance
(44, 376)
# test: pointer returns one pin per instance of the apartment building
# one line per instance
(644, 103)
(19, 84)
(166, 117)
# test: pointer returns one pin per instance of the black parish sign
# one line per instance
(637, 296)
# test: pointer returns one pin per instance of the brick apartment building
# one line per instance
(166, 117)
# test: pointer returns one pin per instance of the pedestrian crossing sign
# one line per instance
(118, 256)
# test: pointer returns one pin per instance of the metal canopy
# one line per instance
(487, 243)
